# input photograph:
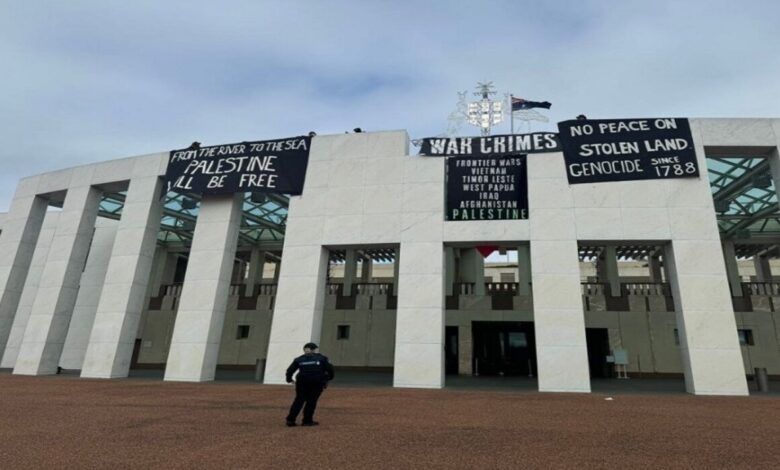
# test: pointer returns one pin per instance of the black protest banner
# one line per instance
(487, 188)
(270, 166)
(513, 144)
(627, 149)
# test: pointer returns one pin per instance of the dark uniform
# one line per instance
(314, 372)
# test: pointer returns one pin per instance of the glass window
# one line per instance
(342, 332)
(242, 332)
(745, 337)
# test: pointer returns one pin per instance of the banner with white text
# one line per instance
(487, 188)
(627, 149)
(270, 166)
(492, 145)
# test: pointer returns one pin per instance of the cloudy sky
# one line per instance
(85, 81)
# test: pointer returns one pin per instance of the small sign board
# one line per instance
(620, 356)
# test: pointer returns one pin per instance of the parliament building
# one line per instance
(103, 271)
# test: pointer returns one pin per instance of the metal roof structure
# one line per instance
(379, 255)
(624, 253)
(263, 219)
(745, 196)
(746, 203)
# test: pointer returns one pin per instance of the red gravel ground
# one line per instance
(64, 422)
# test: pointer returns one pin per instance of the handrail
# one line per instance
(265, 289)
(627, 288)
(501, 287)
(463, 288)
(174, 290)
(761, 288)
(373, 288)
(593, 288)
(334, 289)
(361, 288)
(645, 288)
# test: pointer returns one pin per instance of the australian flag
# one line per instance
(519, 103)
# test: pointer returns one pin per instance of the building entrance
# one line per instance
(504, 348)
(598, 350)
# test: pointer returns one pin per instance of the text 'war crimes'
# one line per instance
(496, 145)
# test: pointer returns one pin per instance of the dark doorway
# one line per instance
(598, 350)
(451, 350)
(181, 270)
(504, 348)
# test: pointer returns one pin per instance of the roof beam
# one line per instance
(738, 184)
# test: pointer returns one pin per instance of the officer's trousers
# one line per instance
(306, 396)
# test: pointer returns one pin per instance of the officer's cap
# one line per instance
(311, 346)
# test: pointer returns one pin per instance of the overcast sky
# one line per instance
(86, 81)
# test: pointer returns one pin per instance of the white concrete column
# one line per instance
(350, 270)
(609, 260)
(763, 270)
(158, 271)
(90, 287)
(239, 268)
(472, 269)
(169, 272)
(711, 355)
(419, 333)
(366, 270)
(47, 327)
(523, 270)
(30, 290)
(559, 321)
(199, 321)
(300, 298)
(732, 269)
(255, 273)
(124, 290)
(449, 269)
(17, 244)
(465, 350)
(478, 265)
(396, 270)
(654, 266)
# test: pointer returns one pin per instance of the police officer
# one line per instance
(314, 372)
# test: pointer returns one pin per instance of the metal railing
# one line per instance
(645, 288)
(501, 288)
(593, 288)
(361, 288)
(372, 288)
(265, 289)
(761, 288)
(334, 289)
(463, 288)
(173, 290)
(627, 288)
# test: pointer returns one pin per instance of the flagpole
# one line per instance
(511, 114)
